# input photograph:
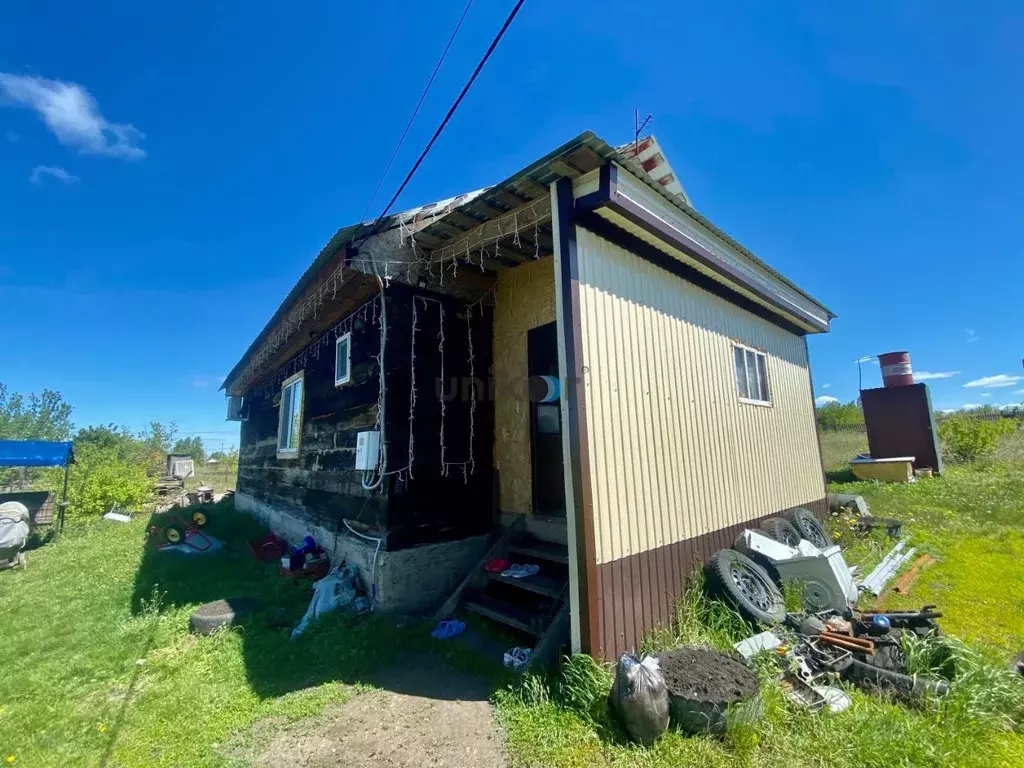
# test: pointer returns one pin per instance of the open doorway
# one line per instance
(545, 421)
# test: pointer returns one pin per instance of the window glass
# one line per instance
(342, 356)
(289, 432)
(751, 374)
(741, 372)
(762, 368)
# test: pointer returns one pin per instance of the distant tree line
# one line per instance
(113, 465)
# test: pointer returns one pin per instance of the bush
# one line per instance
(837, 416)
(965, 438)
(102, 477)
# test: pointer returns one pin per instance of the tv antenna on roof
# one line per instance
(638, 128)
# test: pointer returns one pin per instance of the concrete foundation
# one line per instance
(408, 580)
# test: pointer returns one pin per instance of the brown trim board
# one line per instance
(576, 427)
(609, 196)
(626, 614)
(814, 414)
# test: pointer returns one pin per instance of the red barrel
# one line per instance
(896, 370)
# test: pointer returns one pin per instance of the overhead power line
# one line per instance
(416, 111)
(447, 117)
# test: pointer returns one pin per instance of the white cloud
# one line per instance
(825, 386)
(205, 381)
(48, 170)
(986, 394)
(970, 406)
(825, 400)
(928, 375)
(991, 382)
(73, 115)
(971, 335)
(947, 410)
(1019, 392)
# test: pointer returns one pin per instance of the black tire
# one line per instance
(174, 533)
(781, 530)
(809, 527)
(747, 586)
(220, 613)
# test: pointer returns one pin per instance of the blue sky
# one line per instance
(195, 157)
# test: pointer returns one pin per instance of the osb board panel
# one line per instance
(524, 299)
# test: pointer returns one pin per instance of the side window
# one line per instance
(343, 360)
(751, 375)
(289, 424)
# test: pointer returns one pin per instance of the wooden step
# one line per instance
(541, 550)
(503, 613)
(540, 585)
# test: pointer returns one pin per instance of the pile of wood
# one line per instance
(169, 485)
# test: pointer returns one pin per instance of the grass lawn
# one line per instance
(101, 668)
(972, 520)
(103, 671)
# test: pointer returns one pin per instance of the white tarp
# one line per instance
(14, 528)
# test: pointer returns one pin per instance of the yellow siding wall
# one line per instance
(673, 453)
(524, 299)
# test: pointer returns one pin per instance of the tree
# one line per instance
(192, 447)
(36, 417)
(840, 415)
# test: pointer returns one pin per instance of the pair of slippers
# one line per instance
(517, 658)
(521, 571)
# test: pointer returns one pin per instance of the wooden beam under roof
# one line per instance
(585, 159)
(522, 219)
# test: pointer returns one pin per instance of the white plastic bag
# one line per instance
(335, 590)
(640, 697)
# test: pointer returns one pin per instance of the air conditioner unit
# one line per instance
(237, 409)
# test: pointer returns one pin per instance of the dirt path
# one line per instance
(424, 716)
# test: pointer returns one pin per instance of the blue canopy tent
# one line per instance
(40, 453)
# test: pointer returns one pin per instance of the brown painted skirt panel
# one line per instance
(639, 592)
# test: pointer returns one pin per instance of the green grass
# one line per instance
(103, 671)
(101, 668)
(972, 520)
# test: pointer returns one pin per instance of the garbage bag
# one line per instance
(335, 590)
(640, 697)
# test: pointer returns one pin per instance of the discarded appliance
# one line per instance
(826, 578)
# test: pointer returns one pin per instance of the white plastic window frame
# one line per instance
(347, 339)
(291, 451)
(760, 371)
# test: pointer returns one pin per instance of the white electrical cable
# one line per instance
(382, 453)
(373, 566)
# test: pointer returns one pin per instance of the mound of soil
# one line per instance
(701, 674)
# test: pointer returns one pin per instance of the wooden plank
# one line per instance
(563, 168)
(545, 652)
(462, 220)
(531, 187)
(509, 198)
(496, 611)
(484, 209)
(539, 585)
(526, 217)
(586, 159)
(542, 551)
(448, 608)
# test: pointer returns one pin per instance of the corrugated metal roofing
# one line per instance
(523, 184)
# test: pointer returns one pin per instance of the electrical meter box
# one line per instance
(367, 450)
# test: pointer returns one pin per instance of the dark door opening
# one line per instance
(545, 421)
